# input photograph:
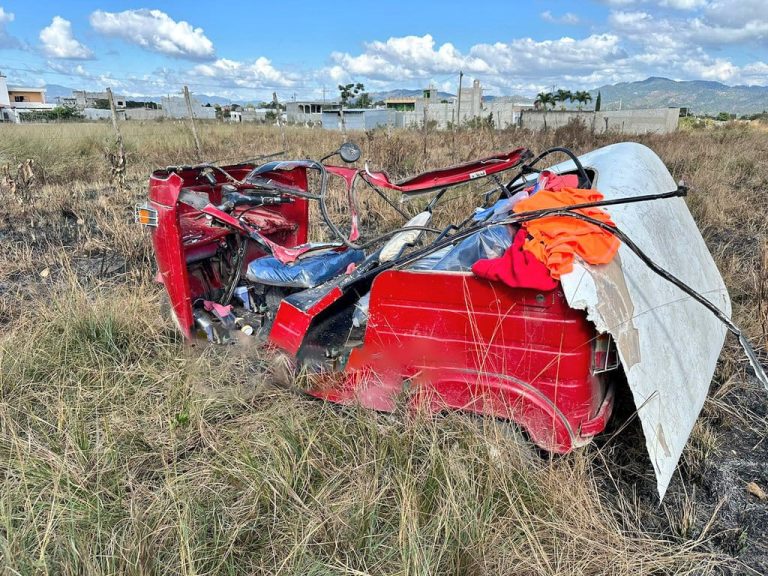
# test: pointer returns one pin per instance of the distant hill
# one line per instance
(54, 91)
(700, 96)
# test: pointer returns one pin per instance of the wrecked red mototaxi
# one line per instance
(564, 284)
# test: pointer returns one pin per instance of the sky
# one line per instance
(245, 51)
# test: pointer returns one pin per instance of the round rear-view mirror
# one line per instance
(349, 152)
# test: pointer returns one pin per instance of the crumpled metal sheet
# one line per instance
(668, 343)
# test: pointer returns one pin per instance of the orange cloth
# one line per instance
(555, 240)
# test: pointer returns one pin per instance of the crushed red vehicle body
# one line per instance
(400, 317)
(445, 339)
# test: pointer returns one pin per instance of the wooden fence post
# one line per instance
(117, 161)
(192, 122)
(279, 123)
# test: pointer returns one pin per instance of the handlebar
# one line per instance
(233, 199)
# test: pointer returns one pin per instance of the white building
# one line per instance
(308, 112)
(15, 101)
(251, 115)
(81, 99)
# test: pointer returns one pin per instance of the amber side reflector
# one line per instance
(145, 215)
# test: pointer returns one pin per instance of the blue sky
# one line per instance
(246, 51)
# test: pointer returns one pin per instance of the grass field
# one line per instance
(125, 451)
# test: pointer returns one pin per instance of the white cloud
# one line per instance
(568, 18)
(6, 17)
(257, 74)
(731, 22)
(156, 31)
(677, 43)
(404, 57)
(735, 13)
(683, 4)
(527, 57)
(419, 57)
(6, 40)
(58, 41)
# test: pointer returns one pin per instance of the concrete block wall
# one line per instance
(656, 120)
(143, 114)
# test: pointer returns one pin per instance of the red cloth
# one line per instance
(551, 181)
(518, 268)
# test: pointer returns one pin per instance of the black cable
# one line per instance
(529, 169)
(568, 152)
(530, 215)
(387, 200)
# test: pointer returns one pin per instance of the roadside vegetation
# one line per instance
(125, 451)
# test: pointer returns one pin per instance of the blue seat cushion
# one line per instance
(306, 272)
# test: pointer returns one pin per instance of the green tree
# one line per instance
(57, 114)
(349, 91)
(141, 104)
(364, 100)
(346, 93)
(562, 96)
(582, 97)
(545, 99)
(597, 101)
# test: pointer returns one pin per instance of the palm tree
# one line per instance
(582, 97)
(545, 99)
(563, 95)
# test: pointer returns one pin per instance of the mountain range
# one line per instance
(700, 96)
(54, 91)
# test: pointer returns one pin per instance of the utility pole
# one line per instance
(425, 125)
(458, 105)
(192, 122)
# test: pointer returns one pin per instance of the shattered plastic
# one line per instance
(360, 315)
(490, 242)
(500, 209)
(307, 272)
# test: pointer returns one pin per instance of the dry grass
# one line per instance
(123, 450)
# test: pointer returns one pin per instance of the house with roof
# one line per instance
(15, 101)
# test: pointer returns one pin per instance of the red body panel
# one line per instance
(169, 249)
(461, 342)
(291, 323)
(451, 176)
(185, 235)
